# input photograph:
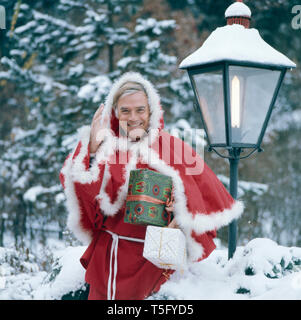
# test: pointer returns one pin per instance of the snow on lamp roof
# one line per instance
(238, 9)
(236, 43)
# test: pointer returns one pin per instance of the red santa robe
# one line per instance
(95, 199)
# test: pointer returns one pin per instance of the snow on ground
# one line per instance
(260, 270)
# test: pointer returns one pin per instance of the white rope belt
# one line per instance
(114, 250)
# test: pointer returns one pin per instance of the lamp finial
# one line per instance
(238, 13)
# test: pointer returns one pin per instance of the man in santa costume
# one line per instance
(127, 133)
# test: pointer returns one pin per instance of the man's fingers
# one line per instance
(100, 135)
(173, 224)
(98, 120)
(106, 120)
(172, 197)
(99, 111)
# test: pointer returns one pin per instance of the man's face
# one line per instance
(133, 114)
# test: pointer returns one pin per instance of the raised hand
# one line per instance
(98, 129)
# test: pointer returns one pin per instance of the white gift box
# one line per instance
(165, 248)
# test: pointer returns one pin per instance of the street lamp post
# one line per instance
(236, 77)
(234, 159)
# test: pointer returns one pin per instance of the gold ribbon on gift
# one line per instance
(144, 197)
(163, 264)
(168, 265)
(160, 247)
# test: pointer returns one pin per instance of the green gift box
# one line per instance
(146, 200)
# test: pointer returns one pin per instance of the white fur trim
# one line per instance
(73, 208)
(103, 154)
(106, 205)
(202, 223)
(78, 170)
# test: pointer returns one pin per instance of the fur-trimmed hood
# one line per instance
(156, 120)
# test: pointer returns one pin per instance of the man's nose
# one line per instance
(133, 116)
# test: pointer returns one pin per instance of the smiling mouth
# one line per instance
(135, 125)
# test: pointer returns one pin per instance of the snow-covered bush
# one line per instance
(19, 274)
(260, 270)
(66, 281)
(264, 256)
(22, 277)
(14, 261)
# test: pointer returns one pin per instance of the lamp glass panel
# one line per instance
(210, 95)
(251, 93)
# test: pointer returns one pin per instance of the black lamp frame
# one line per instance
(234, 148)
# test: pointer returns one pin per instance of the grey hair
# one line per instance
(128, 88)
